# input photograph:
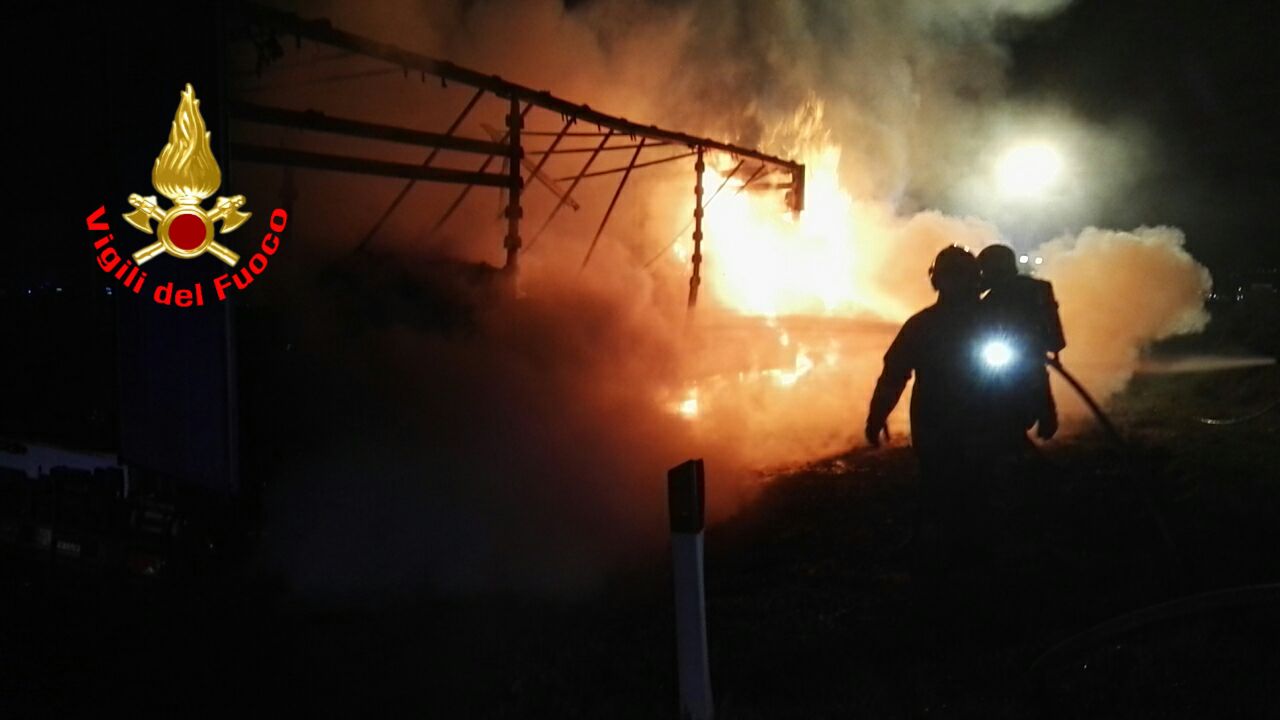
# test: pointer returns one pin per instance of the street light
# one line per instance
(1028, 170)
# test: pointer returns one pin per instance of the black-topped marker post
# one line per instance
(686, 502)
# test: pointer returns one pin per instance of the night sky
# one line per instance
(1201, 77)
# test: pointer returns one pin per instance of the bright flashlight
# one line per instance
(1028, 170)
(997, 354)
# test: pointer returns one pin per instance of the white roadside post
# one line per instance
(686, 501)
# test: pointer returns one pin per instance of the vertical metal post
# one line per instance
(797, 190)
(696, 279)
(515, 121)
(686, 492)
(457, 202)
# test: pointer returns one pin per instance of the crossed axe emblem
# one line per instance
(186, 230)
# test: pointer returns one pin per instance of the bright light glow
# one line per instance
(1023, 259)
(1039, 261)
(688, 407)
(766, 261)
(787, 378)
(1028, 170)
(997, 354)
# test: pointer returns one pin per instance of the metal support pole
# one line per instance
(686, 493)
(705, 205)
(457, 202)
(696, 279)
(535, 170)
(796, 197)
(515, 121)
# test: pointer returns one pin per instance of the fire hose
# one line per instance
(1230, 598)
(1162, 527)
(1053, 361)
(1242, 418)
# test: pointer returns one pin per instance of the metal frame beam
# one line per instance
(322, 31)
(572, 151)
(363, 166)
(320, 122)
(629, 168)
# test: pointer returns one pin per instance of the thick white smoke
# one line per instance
(1118, 291)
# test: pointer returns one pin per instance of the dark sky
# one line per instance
(1202, 78)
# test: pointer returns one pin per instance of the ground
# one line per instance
(815, 606)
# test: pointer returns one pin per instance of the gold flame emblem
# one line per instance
(186, 173)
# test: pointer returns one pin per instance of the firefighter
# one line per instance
(947, 403)
(1022, 312)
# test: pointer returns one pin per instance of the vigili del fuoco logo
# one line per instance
(187, 174)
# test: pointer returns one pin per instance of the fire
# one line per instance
(798, 309)
(763, 260)
(787, 378)
(688, 407)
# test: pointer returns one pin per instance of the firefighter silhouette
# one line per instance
(1021, 312)
(971, 359)
(940, 346)
(936, 345)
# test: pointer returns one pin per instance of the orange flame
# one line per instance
(762, 260)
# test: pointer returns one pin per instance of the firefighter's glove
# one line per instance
(876, 428)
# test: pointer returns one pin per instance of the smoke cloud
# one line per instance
(486, 438)
(1117, 292)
